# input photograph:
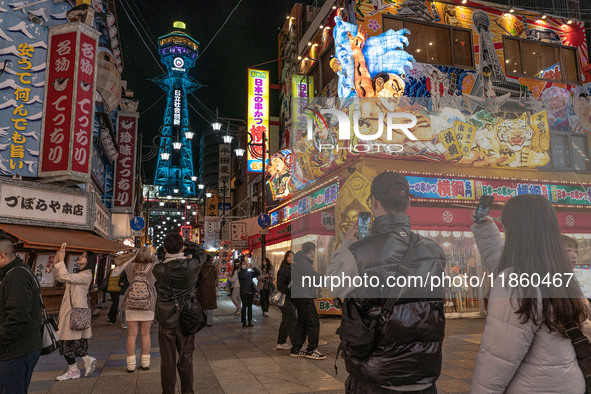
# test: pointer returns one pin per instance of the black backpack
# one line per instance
(357, 336)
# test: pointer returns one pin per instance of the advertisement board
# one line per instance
(258, 117)
(124, 182)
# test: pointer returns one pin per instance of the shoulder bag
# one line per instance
(277, 298)
(49, 336)
(79, 317)
(583, 351)
(192, 316)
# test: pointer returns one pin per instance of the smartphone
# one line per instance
(483, 208)
(363, 222)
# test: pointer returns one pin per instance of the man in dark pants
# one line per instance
(183, 261)
(288, 312)
(20, 322)
(308, 324)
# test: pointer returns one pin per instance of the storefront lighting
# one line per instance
(194, 178)
(217, 126)
(309, 43)
(183, 201)
(334, 7)
(188, 223)
(321, 27)
(464, 1)
(177, 145)
(544, 16)
(168, 197)
(161, 203)
(299, 58)
(194, 213)
(208, 195)
(175, 191)
(227, 139)
(511, 10)
(239, 152)
(165, 155)
(569, 22)
(189, 135)
(201, 186)
(168, 218)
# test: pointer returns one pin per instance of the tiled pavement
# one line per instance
(231, 359)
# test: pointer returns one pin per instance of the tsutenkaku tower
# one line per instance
(174, 172)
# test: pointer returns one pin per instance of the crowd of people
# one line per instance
(391, 342)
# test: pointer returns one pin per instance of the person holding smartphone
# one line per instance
(247, 288)
(74, 343)
(524, 347)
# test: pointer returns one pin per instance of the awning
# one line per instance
(52, 238)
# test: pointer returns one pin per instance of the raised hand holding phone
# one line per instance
(483, 209)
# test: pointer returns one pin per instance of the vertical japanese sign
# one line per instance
(302, 90)
(258, 117)
(225, 155)
(68, 109)
(176, 119)
(21, 93)
(124, 182)
(211, 237)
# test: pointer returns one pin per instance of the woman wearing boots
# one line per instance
(74, 343)
(139, 312)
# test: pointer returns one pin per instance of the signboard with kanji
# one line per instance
(225, 155)
(124, 178)
(258, 117)
(68, 109)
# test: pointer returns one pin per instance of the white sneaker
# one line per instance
(282, 346)
(266, 314)
(69, 375)
(89, 365)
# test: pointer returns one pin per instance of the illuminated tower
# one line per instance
(174, 172)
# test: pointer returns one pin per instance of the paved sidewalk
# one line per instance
(231, 359)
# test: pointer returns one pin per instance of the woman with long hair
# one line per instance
(74, 343)
(524, 347)
(288, 312)
(139, 314)
(265, 284)
(233, 278)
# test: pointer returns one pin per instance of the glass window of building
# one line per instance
(435, 43)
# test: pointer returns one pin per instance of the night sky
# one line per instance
(248, 38)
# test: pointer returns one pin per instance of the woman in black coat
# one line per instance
(247, 288)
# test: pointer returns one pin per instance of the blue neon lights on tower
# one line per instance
(178, 52)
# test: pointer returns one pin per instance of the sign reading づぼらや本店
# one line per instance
(124, 182)
(33, 204)
(68, 108)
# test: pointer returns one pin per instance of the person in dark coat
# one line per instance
(247, 289)
(288, 312)
(206, 288)
(20, 321)
(182, 262)
(406, 355)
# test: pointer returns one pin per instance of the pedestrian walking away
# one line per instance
(139, 303)
(247, 290)
(206, 288)
(114, 290)
(74, 341)
(180, 269)
(20, 321)
(265, 285)
(404, 352)
(525, 347)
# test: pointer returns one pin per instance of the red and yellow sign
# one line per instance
(258, 117)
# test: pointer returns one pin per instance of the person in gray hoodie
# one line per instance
(524, 348)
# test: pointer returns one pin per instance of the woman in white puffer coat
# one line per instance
(524, 348)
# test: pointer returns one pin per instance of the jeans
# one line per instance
(307, 324)
(15, 374)
(246, 304)
(236, 297)
(288, 323)
(114, 308)
(357, 386)
(172, 344)
(265, 300)
(209, 316)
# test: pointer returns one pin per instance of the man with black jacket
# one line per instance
(20, 322)
(406, 351)
(183, 261)
(308, 324)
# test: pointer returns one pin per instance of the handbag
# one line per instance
(277, 298)
(79, 317)
(192, 316)
(583, 351)
(49, 336)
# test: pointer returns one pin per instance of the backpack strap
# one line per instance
(390, 302)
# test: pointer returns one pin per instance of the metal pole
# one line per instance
(263, 236)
